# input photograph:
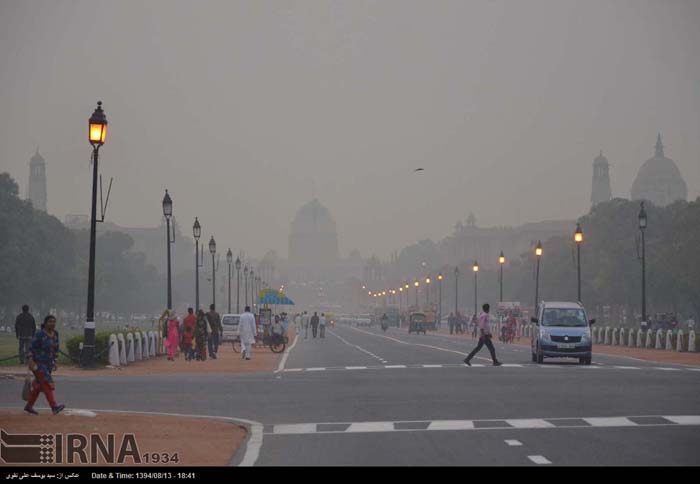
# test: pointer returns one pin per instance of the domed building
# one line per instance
(659, 180)
(313, 241)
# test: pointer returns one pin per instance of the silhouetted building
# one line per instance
(600, 189)
(36, 191)
(313, 242)
(659, 180)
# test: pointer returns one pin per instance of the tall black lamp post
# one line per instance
(501, 261)
(538, 255)
(238, 285)
(439, 277)
(456, 289)
(168, 213)
(578, 238)
(97, 133)
(642, 228)
(229, 259)
(212, 250)
(427, 292)
(475, 268)
(416, 284)
(197, 233)
(245, 280)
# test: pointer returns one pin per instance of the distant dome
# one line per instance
(313, 238)
(37, 159)
(659, 180)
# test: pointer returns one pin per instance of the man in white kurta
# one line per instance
(248, 331)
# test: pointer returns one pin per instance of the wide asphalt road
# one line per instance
(362, 397)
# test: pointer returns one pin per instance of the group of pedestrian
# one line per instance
(194, 336)
(39, 350)
(456, 323)
(316, 322)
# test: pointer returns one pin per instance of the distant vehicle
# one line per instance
(416, 323)
(363, 320)
(231, 332)
(392, 313)
(562, 332)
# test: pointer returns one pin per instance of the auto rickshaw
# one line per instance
(416, 323)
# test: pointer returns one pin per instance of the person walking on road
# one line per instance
(215, 323)
(314, 324)
(306, 322)
(42, 361)
(188, 326)
(322, 325)
(201, 335)
(451, 323)
(173, 339)
(485, 337)
(25, 328)
(248, 331)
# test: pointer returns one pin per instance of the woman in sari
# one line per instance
(42, 362)
(173, 335)
(201, 335)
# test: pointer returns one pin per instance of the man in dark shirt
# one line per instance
(215, 322)
(25, 327)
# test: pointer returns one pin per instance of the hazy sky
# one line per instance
(236, 106)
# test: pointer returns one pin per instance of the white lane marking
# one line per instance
(288, 370)
(355, 367)
(358, 347)
(315, 369)
(489, 424)
(666, 368)
(283, 361)
(371, 427)
(684, 419)
(416, 344)
(295, 429)
(395, 366)
(627, 367)
(513, 443)
(610, 422)
(451, 425)
(694, 369)
(432, 366)
(529, 423)
(512, 365)
(538, 459)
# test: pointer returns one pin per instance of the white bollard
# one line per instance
(660, 339)
(621, 337)
(151, 344)
(679, 341)
(640, 333)
(137, 346)
(691, 341)
(650, 338)
(122, 349)
(113, 350)
(130, 348)
(607, 336)
(159, 343)
(630, 339)
(669, 340)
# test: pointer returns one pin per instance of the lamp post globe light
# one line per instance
(642, 227)
(168, 213)
(229, 259)
(538, 255)
(212, 251)
(238, 285)
(196, 233)
(245, 282)
(501, 262)
(475, 268)
(97, 134)
(578, 238)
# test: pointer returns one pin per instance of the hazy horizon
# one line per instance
(246, 110)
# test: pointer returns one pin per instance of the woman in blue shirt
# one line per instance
(43, 353)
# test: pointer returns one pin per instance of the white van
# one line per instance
(229, 325)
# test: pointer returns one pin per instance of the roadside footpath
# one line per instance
(169, 440)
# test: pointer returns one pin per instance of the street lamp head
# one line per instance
(167, 205)
(416, 283)
(475, 267)
(642, 217)
(196, 229)
(538, 248)
(456, 271)
(578, 235)
(427, 280)
(401, 289)
(369, 293)
(252, 273)
(212, 245)
(406, 285)
(229, 256)
(501, 258)
(238, 263)
(245, 270)
(440, 276)
(97, 131)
